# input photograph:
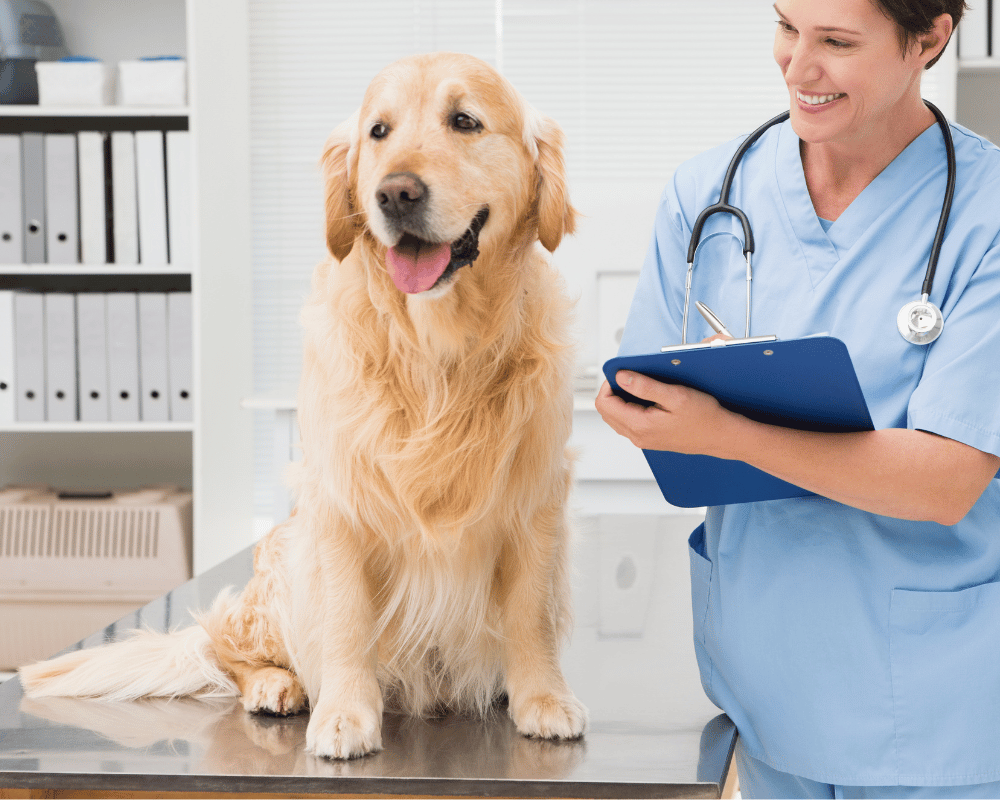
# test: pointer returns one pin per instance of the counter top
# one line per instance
(631, 661)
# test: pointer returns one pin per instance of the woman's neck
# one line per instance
(837, 172)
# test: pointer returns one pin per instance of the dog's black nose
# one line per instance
(401, 194)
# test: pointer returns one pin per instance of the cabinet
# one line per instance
(213, 454)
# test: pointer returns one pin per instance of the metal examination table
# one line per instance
(631, 661)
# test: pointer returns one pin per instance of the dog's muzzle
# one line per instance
(419, 261)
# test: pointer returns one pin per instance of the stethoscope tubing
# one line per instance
(724, 207)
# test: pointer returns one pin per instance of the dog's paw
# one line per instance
(273, 690)
(344, 733)
(550, 716)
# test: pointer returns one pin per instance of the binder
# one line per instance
(123, 190)
(29, 356)
(154, 405)
(808, 384)
(180, 352)
(123, 356)
(61, 206)
(150, 171)
(33, 188)
(7, 388)
(60, 357)
(92, 356)
(93, 201)
(179, 197)
(11, 237)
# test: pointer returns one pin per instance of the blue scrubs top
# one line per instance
(848, 647)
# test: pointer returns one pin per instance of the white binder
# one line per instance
(123, 189)
(61, 228)
(33, 193)
(179, 349)
(7, 387)
(60, 357)
(92, 355)
(123, 356)
(29, 356)
(154, 405)
(150, 171)
(93, 198)
(179, 198)
(11, 237)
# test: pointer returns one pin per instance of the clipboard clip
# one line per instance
(674, 348)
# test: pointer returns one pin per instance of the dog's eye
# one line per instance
(464, 122)
(379, 130)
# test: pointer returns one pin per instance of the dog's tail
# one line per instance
(182, 663)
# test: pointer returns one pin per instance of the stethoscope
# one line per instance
(919, 322)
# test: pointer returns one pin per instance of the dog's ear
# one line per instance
(556, 217)
(339, 164)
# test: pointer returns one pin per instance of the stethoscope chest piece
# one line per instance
(920, 322)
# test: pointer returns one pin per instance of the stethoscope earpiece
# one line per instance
(920, 322)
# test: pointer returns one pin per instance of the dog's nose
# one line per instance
(401, 194)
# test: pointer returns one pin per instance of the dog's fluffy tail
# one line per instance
(182, 663)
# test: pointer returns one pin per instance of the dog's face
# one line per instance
(443, 161)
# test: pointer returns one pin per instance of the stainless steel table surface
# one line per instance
(631, 661)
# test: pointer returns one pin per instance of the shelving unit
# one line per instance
(213, 454)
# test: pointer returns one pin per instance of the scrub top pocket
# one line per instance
(701, 590)
(944, 650)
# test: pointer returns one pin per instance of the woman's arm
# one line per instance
(908, 474)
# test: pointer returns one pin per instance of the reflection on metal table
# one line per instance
(631, 661)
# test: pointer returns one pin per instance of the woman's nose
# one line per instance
(798, 62)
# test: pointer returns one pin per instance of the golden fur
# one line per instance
(426, 566)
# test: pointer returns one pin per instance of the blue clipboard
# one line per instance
(807, 384)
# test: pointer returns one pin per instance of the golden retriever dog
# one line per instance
(426, 565)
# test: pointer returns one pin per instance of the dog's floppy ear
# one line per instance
(556, 217)
(339, 164)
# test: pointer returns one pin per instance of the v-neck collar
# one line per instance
(822, 249)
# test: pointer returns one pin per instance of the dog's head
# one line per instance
(444, 159)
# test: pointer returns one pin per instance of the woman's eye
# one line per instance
(464, 122)
(838, 43)
(379, 130)
(785, 27)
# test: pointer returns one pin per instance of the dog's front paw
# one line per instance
(550, 716)
(344, 733)
(272, 690)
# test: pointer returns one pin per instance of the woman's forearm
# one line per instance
(900, 473)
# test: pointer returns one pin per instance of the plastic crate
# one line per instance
(70, 565)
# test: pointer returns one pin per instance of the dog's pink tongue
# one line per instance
(416, 268)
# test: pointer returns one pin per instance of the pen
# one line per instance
(711, 319)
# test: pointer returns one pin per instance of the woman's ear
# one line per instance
(556, 217)
(339, 164)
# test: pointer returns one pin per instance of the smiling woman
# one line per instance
(843, 632)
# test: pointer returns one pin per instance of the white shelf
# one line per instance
(979, 65)
(92, 111)
(97, 427)
(95, 269)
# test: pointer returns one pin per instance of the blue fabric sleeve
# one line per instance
(959, 392)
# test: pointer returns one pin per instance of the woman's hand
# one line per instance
(682, 420)
(908, 474)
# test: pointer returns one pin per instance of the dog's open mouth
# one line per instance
(416, 265)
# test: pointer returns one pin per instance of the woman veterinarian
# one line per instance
(852, 636)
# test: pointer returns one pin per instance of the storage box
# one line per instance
(70, 566)
(75, 83)
(152, 82)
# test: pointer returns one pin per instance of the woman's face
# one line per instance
(842, 64)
